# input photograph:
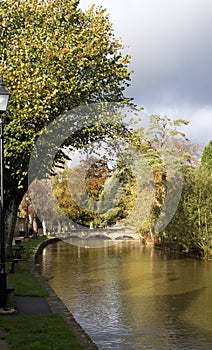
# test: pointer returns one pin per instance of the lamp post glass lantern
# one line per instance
(4, 97)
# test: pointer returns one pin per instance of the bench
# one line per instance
(14, 262)
(18, 240)
(17, 252)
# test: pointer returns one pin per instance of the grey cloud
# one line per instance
(170, 43)
(171, 47)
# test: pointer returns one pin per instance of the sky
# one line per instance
(170, 43)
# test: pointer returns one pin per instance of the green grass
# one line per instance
(24, 282)
(43, 332)
(31, 244)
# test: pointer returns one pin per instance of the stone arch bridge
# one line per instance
(120, 233)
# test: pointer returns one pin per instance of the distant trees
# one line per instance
(92, 193)
(78, 190)
(136, 189)
(97, 172)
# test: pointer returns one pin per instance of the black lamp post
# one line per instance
(4, 97)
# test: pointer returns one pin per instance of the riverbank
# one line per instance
(55, 303)
(41, 320)
(179, 249)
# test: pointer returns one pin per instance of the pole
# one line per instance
(27, 216)
(3, 275)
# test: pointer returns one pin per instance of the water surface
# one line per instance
(127, 296)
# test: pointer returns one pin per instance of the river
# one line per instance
(127, 296)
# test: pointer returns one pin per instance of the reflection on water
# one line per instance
(127, 296)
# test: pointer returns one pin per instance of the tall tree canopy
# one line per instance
(54, 57)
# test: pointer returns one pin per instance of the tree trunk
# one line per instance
(35, 227)
(59, 227)
(44, 227)
(163, 183)
(10, 221)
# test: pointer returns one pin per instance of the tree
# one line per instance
(93, 192)
(97, 171)
(73, 196)
(207, 156)
(63, 195)
(54, 57)
(43, 205)
(191, 226)
(161, 150)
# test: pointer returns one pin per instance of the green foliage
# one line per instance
(207, 156)
(110, 217)
(191, 226)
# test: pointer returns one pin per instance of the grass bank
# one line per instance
(42, 332)
(37, 332)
